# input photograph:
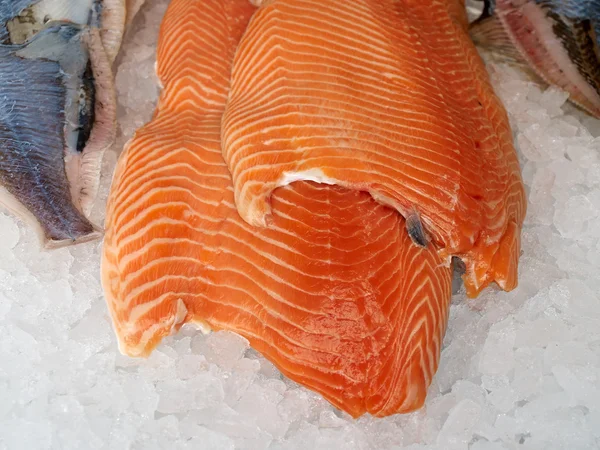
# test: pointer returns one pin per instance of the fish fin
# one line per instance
(415, 230)
(489, 33)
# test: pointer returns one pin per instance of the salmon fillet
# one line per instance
(334, 292)
(388, 97)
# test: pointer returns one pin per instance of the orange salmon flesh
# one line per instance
(311, 168)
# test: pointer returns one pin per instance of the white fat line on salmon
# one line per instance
(315, 175)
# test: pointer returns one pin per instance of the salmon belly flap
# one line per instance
(388, 97)
(334, 291)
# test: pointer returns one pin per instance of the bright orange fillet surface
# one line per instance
(333, 292)
(384, 96)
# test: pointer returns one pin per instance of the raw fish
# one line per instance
(334, 292)
(389, 97)
(57, 115)
(57, 109)
(558, 39)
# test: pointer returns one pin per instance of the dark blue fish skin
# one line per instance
(32, 142)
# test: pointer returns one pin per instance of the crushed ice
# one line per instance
(518, 370)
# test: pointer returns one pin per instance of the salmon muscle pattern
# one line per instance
(384, 96)
(334, 292)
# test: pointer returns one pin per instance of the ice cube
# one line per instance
(593, 175)
(541, 202)
(188, 366)
(21, 433)
(574, 295)
(553, 99)
(457, 429)
(541, 332)
(486, 445)
(328, 419)
(178, 396)
(265, 401)
(528, 372)
(204, 438)
(159, 434)
(223, 348)
(577, 388)
(571, 219)
(498, 352)
(503, 399)
(569, 353)
(295, 405)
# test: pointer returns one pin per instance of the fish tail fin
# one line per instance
(488, 32)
